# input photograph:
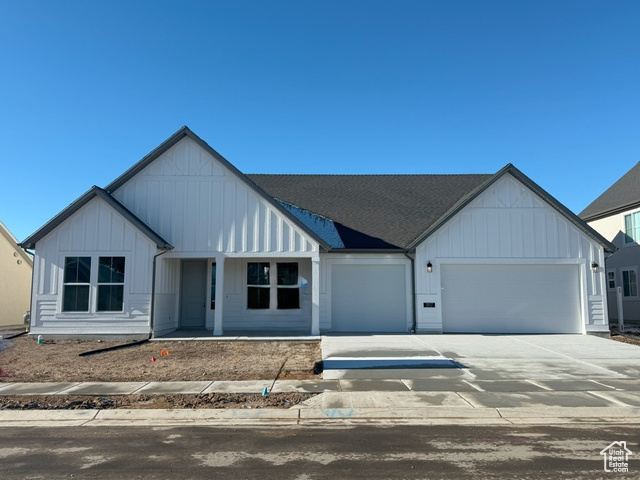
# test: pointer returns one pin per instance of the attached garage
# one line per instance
(369, 298)
(538, 298)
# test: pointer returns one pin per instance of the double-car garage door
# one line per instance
(510, 299)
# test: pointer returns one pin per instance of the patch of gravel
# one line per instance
(142, 401)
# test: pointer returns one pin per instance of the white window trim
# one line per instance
(626, 243)
(615, 280)
(93, 287)
(273, 288)
(635, 270)
(75, 284)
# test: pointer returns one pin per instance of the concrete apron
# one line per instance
(353, 352)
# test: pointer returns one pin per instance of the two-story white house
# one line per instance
(616, 216)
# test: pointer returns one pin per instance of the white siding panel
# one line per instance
(94, 230)
(196, 204)
(238, 318)
(511, 223)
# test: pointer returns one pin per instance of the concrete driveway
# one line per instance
(496, 370)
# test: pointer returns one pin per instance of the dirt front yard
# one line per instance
(22, 359)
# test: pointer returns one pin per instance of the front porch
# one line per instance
(183, 335)
(236, 296)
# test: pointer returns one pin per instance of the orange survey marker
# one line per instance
(164, 352)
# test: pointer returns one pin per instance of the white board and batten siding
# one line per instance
(95, 230)
(201, 207)
(509, 232)
(365, 293)
(206, 212)
(237, 317)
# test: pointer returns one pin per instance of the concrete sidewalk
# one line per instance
(319, 417)
(351, 401)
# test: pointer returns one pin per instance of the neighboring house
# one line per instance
(183, 240)
(16, 267)
(616, 216)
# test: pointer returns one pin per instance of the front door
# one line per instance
(193, 294)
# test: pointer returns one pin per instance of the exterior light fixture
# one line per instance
(594, 267)
(429, 267)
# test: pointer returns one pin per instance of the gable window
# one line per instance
(288, 287)
(258, 285)
(110, 284)
(76, 288)
(632, 228)
(611, 279)
(630, 282)
(272, 286)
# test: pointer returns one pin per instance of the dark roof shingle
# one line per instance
(625, 193)
(373, 211)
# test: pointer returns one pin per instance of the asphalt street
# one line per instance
(347, 452)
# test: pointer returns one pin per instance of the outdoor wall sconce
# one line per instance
(594, 267)
(429, 267)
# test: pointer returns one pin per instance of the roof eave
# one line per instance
(31, 241)
(611, 211)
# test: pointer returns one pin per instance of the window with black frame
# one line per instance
(110, 284)
(76, 284)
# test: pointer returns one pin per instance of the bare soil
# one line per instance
(212, 400)
(24, 360)
(630, 338)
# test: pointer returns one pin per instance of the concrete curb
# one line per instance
(318, 417)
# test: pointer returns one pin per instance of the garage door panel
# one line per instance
(511, 298)
(368, 298)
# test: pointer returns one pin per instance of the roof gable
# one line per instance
(186, 132)
(622, 195)
(13, 241)
(522, 178)
(32, 240)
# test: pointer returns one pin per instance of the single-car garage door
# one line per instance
(368, 298)
(511, 299)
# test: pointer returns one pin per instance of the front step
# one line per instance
(352, 363)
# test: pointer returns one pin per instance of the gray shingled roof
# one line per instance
(623, 194)
(373, 211)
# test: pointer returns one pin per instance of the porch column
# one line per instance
(315, 296)
(217, 317)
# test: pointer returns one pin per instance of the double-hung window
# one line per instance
(630, 282)
(110, 284)
(77, 283)
(288, 286)
(632, 228)
(86, 289)
(273, 286)
(258, 285)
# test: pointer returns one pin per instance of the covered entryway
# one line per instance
(511, 299)
(193, 294)
(368, 298)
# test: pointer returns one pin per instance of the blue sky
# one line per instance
(89, 88)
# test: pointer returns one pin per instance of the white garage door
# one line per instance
(368, 298)
(511, 299)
